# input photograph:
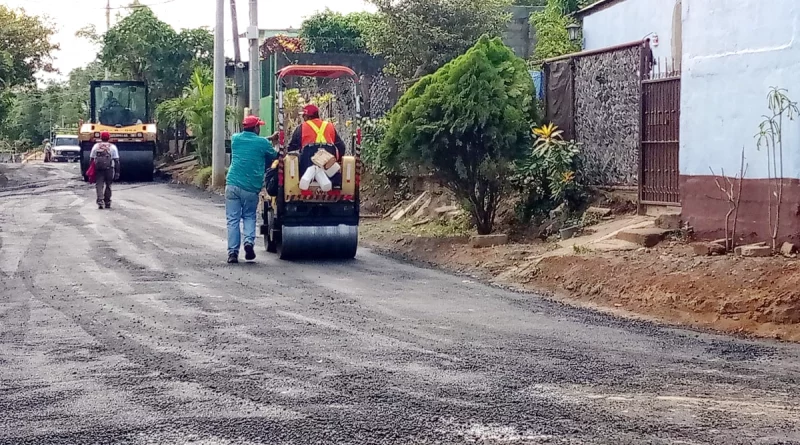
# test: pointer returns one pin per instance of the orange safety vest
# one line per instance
(317, 131)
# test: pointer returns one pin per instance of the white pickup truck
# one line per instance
(66, 148)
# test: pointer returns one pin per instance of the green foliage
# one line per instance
(203, 177)
(374, 132)
(195, 107)
(783, 111)
(551, 31)
(332, 32)
(142, 47)
(33, 112)
(466, 123)
(25, 48)
(419, 36)
(549, 175)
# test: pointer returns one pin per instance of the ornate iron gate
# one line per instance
(659, 170)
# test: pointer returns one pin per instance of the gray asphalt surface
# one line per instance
(127, 327)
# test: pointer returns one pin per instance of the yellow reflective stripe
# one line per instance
(320, 131)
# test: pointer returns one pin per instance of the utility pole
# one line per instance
(238, 78)
(218, 133)
(255, 59)
(108, 28)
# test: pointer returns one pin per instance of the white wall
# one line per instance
(732, 55)
(629, 21)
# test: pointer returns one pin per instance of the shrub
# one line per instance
(374, 131)
(467, 123)
(549, 175)
(203, 177)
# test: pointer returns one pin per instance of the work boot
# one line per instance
(100, 206)
(233, 258)
(249, 252)
(108, 205)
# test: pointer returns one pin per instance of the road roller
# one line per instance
(304, 218)
(122, 109)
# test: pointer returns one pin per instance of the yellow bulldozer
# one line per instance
(122, 109)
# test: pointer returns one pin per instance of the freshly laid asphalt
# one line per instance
(126, 326)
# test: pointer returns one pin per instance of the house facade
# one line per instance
(609, 23)
(702, 112)
(732, 56)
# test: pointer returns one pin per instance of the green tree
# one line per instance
(332, 32)
(419, 36)
(551, 31)
(142, 47)
(75, 101)
(25, 49)
(194, 107)
(467, 124)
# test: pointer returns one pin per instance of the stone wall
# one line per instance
(379, 92)
(607, 115)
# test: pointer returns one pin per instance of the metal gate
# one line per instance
(661, 102)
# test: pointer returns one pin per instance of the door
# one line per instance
(661, 102)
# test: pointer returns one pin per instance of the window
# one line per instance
(120, 104)
(68, 141)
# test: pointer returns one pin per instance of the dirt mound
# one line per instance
(757, 296)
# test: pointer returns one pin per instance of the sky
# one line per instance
(68, 16)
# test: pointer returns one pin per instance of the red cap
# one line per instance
(310, 110)
(252, 122)
(105, 136)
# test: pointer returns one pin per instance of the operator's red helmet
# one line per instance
(105, 136)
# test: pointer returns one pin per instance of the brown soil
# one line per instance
(756, 296)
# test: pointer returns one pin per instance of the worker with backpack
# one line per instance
(105, 163)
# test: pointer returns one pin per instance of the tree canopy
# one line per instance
(25, 49)
(138, 47)
(333, 32)
(419, 36)
(551, 30)
(142, 47)
(467, 124)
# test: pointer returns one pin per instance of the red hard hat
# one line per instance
(310, 110)
(252, 122)
(105, 136)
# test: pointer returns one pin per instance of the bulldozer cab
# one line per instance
(119, 103)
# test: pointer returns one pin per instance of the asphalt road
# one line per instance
(127, 327)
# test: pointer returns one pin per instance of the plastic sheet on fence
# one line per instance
(560, 109)
(538, 82)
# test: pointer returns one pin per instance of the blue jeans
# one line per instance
(240, 205)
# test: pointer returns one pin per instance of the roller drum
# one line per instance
(136, 165)
(319, 242)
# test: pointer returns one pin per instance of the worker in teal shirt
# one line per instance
(250, 155)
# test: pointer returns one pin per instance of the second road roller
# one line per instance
(122, 109)
(314, 217)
